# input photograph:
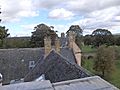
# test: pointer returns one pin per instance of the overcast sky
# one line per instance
(21, 16)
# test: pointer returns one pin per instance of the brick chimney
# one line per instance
(47, 45)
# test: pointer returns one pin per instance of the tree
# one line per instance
(41, 31)
(117, 41)
(78, 31)
(87, 39)
(102, 36)
(3, 34)
(0, 13)
(104, 61)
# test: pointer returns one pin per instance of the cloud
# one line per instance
(14, 10)
(94, 13)
(46, 4)
(85, 6)
(108, 18)
(57, 27)
(60, 14)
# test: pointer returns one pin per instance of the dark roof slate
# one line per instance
(56, 68)
(68, 54)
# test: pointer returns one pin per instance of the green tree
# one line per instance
(102, 36)
(75, 28)
(17, 42)
(87, 39)
(104, 64)
(3, 34)
(117, 41)
(78, 31)
(41, 31)
(0, 13)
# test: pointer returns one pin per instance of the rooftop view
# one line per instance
(59, 45)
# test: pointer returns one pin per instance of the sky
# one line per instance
(21, 16)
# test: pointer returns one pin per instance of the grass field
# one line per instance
(88, 49)
(115, 77)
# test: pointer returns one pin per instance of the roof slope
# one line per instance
(56, 69)
(67, 53)
(16, 60)
(89, 83)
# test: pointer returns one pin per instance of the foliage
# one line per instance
(78, 31)
(104, 62)
(0, 13)
(17, 42)
(102, 36)
(3, 34)
(117, 41)
(89, 64)
(41, 31)
(88, 39)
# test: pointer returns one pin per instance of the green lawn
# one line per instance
(88, 49)
(88, 64)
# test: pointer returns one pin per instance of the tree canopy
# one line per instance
(104, 62)
(102, 36)
(0, 13)
(3, 34)
(76, 29)
(87, 39)
(41, 31)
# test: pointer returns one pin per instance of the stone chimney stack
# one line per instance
(57, 44)
(62, 35)
(47, 45)
(71, 37)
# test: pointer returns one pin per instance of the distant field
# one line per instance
(88, 64)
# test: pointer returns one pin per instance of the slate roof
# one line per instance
(41, 85)
(56, 68)
(21, 53)
(67, 53)
(89, 83)
(16, 60)
(63, 41)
